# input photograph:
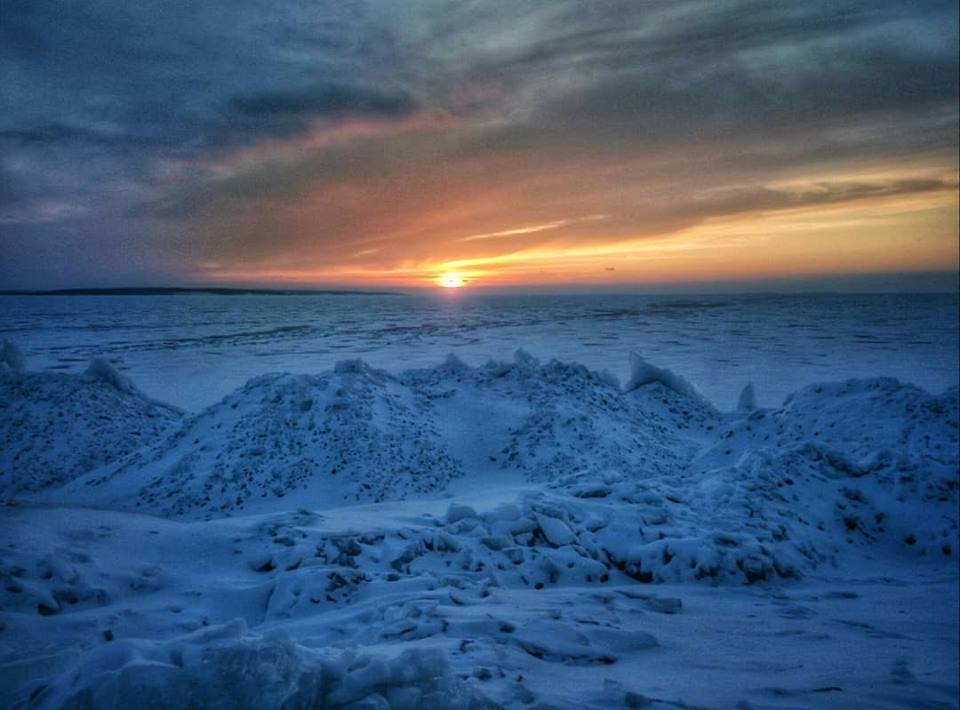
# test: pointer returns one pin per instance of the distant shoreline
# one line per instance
(174, 291)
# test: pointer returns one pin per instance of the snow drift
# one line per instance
(649, 481)
(55, 426)
(415, 539)
(359, 434)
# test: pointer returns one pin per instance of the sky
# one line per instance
(603, 145)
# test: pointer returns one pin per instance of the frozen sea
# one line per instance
(193, 349)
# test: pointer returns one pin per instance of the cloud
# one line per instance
(728, 201)
(530, 229)
(268, 132)
(322, 101)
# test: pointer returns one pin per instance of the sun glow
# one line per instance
(452, 279)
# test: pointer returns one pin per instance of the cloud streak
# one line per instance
(531, 229)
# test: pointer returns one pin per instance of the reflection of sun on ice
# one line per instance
(452, 280)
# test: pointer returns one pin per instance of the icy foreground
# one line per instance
(517, 534)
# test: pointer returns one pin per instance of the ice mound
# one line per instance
(351, 435)
(56, 426)
(555, 419)
(870, 462)
(226, 667)
(458, 528)
(780, 508)
(650, 481)
(363, 435)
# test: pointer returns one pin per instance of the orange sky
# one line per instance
(882, 232)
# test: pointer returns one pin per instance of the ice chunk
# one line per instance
(11, 358)
(643, 373)
(555, 530)
(223, 669)
(748, 399)
(457, 512)
(100, 369)
(453, 362)
(349, 367)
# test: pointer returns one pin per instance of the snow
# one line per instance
(225, 666)
(516, 534)
(193, 350)
(55, 427)
(101, 370)
(643, 373)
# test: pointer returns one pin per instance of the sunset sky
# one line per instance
(599, 145)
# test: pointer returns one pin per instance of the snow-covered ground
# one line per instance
(520, 534)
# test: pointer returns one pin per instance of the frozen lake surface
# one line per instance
(191, 350)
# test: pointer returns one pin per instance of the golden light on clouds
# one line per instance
(859, 226)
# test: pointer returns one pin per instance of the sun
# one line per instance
(452, 279)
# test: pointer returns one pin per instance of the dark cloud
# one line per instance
(43, 135)
(291, 112)
(174, 76)
(321, 101)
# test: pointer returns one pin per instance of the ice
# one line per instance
(56, 426)
(192, 350)
(514, 534)
(643, 373)
(11, 358)
(747, 401)
(555, 530)
(226, 667)
(101, 370)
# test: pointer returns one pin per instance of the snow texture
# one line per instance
(504, 535)
(55, 427)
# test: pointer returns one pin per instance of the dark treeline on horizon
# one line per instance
(174, 290)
